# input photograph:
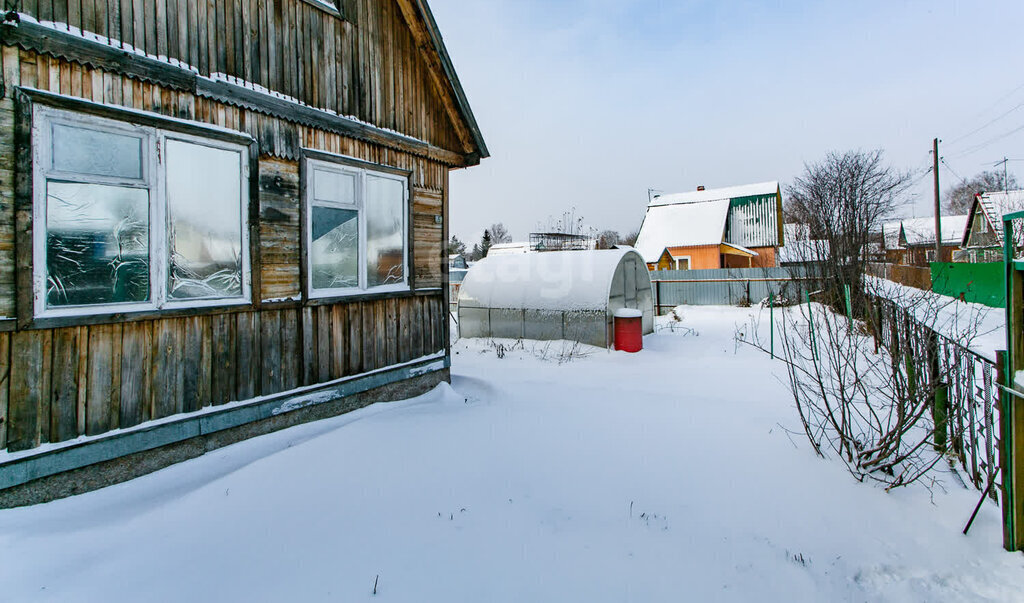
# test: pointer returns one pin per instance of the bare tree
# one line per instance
(960, 197)
(606, 239)
(499, 234)
(843, 199)
(630, 238)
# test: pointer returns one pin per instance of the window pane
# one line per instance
(97, 244)
(334, 253)
(95, 152)
(334, 186)
(204, 208)
(385, 232)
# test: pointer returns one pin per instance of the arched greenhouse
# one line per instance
(570, 295)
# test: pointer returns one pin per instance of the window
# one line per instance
(356, 229)
(683, 263)
(130, 218)
(929, 255)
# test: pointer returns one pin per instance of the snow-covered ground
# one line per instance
(542, 475)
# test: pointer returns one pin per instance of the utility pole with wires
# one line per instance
(938, 216)
(1006, 184)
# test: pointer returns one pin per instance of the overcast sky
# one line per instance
(587, 103)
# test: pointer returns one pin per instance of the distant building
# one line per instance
(561, 241)
(917, 238)
(735, 227)
(983, 234)
(894, 251)
(509, 248)
(457, 261)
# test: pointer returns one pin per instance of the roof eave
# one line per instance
(453, 79)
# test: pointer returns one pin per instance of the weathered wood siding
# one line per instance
(59, 383)
(368, 65)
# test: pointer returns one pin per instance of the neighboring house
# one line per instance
(983, 235)
(195, 211)
(894, 251)
(917, 237)
(456, 261)
(735, 227)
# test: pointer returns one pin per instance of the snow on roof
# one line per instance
(804, 250)
(507, 248)
(717, 194)
(996, 205)
(682, 225)
(795, 231)
(921, 231)
(550, 280)
(891, 234)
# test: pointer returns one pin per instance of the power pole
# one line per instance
(938, 216)
(1006, 185)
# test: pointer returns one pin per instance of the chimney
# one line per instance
(700, 188)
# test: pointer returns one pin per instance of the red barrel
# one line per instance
(629, 331)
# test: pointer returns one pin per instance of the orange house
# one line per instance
(735, 227)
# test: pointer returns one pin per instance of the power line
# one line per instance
(950, 168)
(981, 146)
(986, 124)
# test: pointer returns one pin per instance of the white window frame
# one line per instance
(689, 262)
(153, 143)
(361, 174)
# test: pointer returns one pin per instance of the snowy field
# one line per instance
(538, 476)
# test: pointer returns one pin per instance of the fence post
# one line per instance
(940, 394)
(849, 306)
(810, 322)
(877, 327)
(1005, 458)
(657, 297)
(771, 320)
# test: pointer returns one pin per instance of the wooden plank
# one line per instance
(247, 337)
(291, 354)
(99, 416)
(392, 331)
(192, 364)
(355, 338)
(308, 363)
(339, 331)
(380, 332)
(369, 341)
(223, 358)
(5, 386)
(64, 385)
(136, 364)
(167, 351)
(26, 367)
(323, 318)
(405, 331)
(270, 349)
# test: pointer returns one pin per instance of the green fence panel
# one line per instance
(977, 283)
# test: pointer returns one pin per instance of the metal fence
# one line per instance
(973, 398)
(727, 286)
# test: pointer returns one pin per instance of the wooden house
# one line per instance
(983, 235)
(917, 239)
(217, 218)
(735, 227)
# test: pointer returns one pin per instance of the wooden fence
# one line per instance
(972, 428)
(911, 276)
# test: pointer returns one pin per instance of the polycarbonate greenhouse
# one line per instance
(570, 295)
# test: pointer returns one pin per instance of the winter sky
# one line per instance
(588, 103)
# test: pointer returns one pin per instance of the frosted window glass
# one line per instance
(204, 207)
(334, 186)
(85, 151)
(334, 253)
(97, 244)
(385, 231)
